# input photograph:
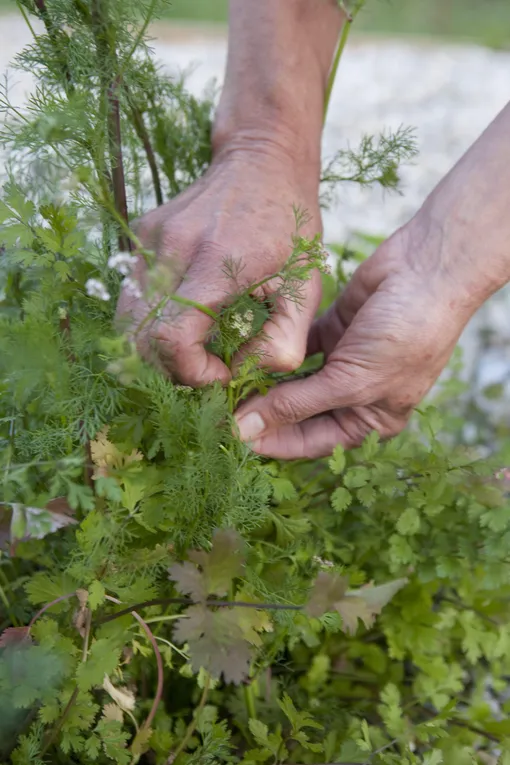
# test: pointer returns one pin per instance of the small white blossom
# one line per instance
(243, 323)
(96, 288)
(123, 262)
(132, 287)
(322, 562)
(62, 313)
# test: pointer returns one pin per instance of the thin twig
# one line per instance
(143, 135)
(47, 606)
(191, 602)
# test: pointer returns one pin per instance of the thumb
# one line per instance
(337, 385)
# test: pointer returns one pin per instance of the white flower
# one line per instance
(123, 262)
(322, 562)
(132, 287)
(96, 288)
(243, 323)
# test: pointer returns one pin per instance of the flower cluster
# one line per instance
(243, 323)
(96, 288)
(123, 262)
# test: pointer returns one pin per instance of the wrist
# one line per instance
(275, 150)
(468, 249)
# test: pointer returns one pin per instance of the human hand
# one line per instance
(386, 340)
(241, 211)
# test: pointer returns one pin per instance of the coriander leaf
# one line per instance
(341, 499)
(337, 461)
(102, 659)
(96, 595)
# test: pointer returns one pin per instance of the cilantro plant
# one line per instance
(165, 595)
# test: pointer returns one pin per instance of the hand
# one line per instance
(386, 340)
(242, 211)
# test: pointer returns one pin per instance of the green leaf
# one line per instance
(356, 477)
(96, 595)
(370, 446)
(297, 719)
(409, 522)
(114, 741)
(341, 499)
(42, 588)
(102, 660)
(338, 460)
(283, 489)
(433, 758)
(141, 741)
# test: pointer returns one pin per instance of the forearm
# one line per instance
(468, 216)
(279, 58)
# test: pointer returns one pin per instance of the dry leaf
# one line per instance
(14, 636)
(113, 713)
(124, 698)
(107, 457)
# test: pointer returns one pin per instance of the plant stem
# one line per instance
(194, 304)
(190, 602)
(49, 605)
(193, 724)
(346, 29)
(143, 135)
(106, 53)
(249, 700)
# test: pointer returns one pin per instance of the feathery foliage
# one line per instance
(165, 595)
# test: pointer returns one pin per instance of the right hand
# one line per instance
(242, 211)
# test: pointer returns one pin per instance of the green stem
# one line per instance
(249, 700)
(346, 29)
(194, 304)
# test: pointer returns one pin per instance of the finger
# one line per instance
(180, 337)
(334, 386)
(283, 344)
(318, 436)
(310, 439)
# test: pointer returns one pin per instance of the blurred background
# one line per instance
(441, 67)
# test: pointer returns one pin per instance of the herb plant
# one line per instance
(165, 595)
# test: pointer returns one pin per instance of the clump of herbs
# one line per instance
(165, 595)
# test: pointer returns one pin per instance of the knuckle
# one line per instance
(286, 360)
(284, 409)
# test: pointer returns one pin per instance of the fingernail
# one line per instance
(250, 426)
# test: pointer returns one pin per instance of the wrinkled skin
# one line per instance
(242, 211)
(386, 340)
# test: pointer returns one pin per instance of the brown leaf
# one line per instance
(327, 590)
(113, 713)
(216, 642)
(223, 563)
(188, 580)
(107, 457)
(13, 636)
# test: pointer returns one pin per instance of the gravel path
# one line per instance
(449, 94)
